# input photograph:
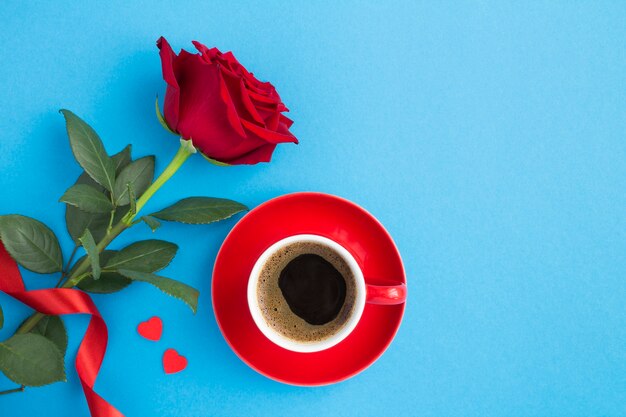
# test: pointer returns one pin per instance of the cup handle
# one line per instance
(386, 294)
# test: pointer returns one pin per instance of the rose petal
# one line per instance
(227, 98)
(261, 154)
(268, 135)
(233, 63)
(286, 121)
(263, 98)
(233, 153)
(202, 48)
(272, 119)
(205, 114)
(172, 93)
(240, 99)
(207, 54)
(229, 114)
(167, 61)
(255, 85)
(284, 129)
(245, 98)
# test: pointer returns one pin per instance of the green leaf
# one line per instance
(31, 359)
(92, 252)
(144, 256)
(121, 159)
(87, 199)
(77, 220)
(151, 222)
(138, 173)
(177, 289)
(89, 150)
(53, 329)
(1, 318)
(200, 210)
(109, 282)
(161, 118)
(131, 198)
(31, 243)
(215, 161)
(84, 178)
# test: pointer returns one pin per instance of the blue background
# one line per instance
(489, 138)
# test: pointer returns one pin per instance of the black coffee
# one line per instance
(313, 288)
(306, 291)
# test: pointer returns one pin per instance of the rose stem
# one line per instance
(185, 151)
(67, 266)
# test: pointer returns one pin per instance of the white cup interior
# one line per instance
(278, 338)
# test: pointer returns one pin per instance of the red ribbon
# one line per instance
(59, 301)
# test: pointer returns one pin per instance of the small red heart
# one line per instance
(173, 362)
(151, 329)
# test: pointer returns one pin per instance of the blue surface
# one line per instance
(489, 138)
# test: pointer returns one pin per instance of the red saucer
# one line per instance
(316, 213)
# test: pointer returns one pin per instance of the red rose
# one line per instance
(228, 114)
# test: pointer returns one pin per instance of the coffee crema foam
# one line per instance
(274, 307)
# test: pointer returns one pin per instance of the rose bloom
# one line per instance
(229, 115)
